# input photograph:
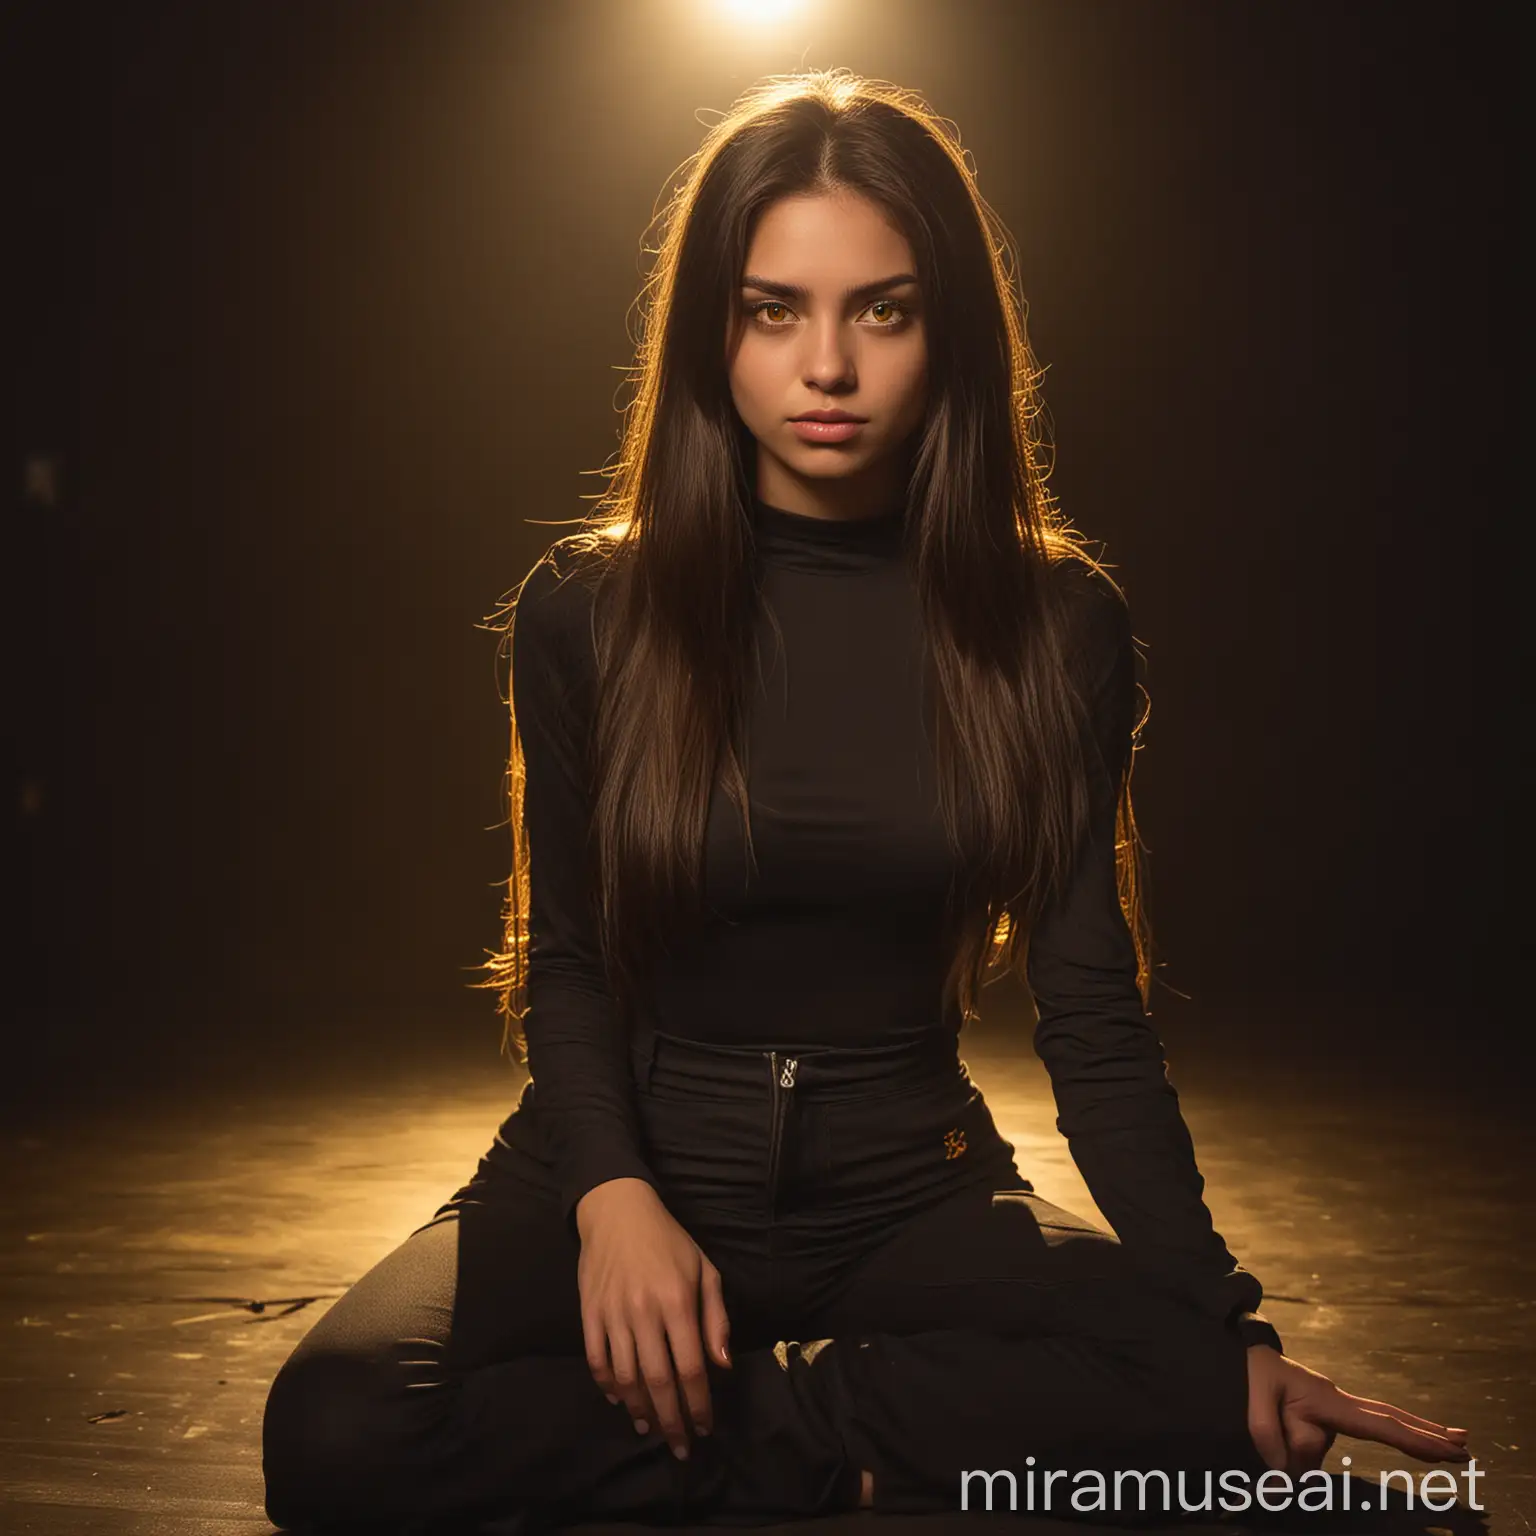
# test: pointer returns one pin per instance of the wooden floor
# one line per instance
(1391, 1228)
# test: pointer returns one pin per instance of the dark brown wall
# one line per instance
(318, 304)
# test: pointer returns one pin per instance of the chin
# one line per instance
(843, 470)
(832, 458)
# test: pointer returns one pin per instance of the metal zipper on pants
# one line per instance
(782, 1069)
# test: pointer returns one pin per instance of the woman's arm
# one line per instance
(1115, 1104)
(644, 1283)
(577, 1051)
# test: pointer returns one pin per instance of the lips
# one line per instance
(828, 416)
(813, 430)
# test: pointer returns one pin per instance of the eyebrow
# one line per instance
(795, 291)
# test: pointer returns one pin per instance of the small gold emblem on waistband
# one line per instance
(954, 1143)
(808, 1351)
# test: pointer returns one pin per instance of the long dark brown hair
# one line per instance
(668, 547)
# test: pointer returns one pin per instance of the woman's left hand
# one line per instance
(1294, 1414)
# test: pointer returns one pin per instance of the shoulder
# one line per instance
(553, 608)
(553, 654)
(1095, 617)
(1099, 652)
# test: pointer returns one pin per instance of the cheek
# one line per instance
(910, 383)
(750, 377)
(738, 369)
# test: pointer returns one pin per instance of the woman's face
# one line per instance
(828, 316)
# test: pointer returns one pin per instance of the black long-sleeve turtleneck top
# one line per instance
(836, 937)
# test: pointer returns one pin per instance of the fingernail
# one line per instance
(681, 1452)
(703, 1429)
(611, 1398)
(1455, 1431)
(641, 1427)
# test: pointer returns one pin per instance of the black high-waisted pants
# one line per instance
(863, 1196)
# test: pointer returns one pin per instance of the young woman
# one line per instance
(825, 713)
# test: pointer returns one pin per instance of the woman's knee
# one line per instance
(334, 1437)
(1204, 1394)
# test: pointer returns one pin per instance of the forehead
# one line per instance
(827, 238)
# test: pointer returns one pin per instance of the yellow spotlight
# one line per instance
(751, 11)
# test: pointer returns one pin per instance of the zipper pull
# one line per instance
(787, 1076)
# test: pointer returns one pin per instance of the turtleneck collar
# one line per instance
(827, 545)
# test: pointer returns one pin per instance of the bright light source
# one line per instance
(759, 10)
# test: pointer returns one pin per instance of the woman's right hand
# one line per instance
(642, 1280)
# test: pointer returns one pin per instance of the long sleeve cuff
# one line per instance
(583, 1096)
(598, 1159)
(1255, 1329)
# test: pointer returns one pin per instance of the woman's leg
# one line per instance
(995, 1327)
(436, 1383)
(451, 1381)
(449, 1387)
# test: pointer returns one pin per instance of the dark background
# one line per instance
(320, 310)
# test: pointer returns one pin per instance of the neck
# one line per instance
(878, 492)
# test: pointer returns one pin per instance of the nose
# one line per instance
(830, 365)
